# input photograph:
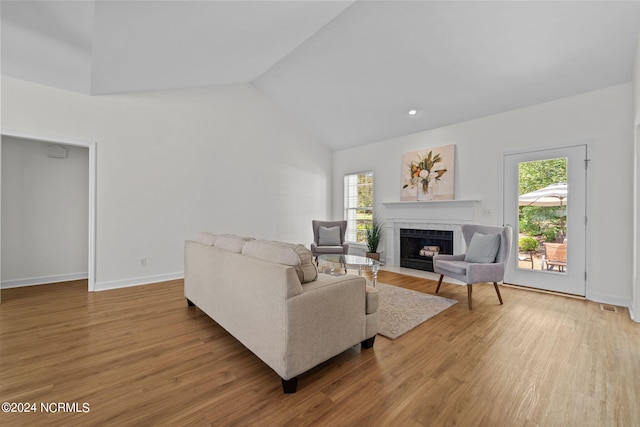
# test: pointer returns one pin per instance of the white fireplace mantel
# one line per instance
(432, 215)
(433, 203)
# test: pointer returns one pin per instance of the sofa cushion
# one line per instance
(231, 242)
(295, 255)
(329, 236)
(206, 238)
(483, 248)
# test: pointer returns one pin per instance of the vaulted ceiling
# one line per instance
(348, 71)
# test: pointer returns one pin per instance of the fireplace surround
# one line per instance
(442, 215)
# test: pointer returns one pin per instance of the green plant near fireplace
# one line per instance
(374, 234)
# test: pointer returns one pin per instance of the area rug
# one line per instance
(403, 309)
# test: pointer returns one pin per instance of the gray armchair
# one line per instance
(484, 261)
(328, 237)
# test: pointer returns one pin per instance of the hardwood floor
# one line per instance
(140, 356)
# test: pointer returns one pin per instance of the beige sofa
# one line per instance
(270, 297)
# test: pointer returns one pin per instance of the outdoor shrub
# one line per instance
(528, 244)
(549, 235)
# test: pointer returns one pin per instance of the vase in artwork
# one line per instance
(425, 192)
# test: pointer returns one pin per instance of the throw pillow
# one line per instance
(483, 248)
(329, 236)
(231, 243)
(206, 238)
(295, 255)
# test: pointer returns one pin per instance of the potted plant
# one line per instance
(373, 233)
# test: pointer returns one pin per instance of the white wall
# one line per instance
(172, 163)
(602, 119)
(635, 308)
(44, 213)
(636, 82)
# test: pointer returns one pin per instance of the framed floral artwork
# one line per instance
(428, 174)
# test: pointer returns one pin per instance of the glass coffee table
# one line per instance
(327, 264)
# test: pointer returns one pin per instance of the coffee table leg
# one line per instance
(374, 270)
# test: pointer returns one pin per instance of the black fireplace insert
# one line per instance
(413, 241)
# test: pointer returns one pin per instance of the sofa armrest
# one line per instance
(323, 321)
(373, 300)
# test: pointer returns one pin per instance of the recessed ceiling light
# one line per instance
(413, 112)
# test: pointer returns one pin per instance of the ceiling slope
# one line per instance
(48, 42)
(353, 82)
(146, 45)
(100, 47)
(348, 71)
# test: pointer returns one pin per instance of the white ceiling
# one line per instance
(348, 71)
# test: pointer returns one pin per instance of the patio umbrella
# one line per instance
(551, 195)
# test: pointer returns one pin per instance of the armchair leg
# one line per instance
(495, 285)
(439, 283)
(469, 290)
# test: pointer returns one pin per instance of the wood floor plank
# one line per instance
(140, 356)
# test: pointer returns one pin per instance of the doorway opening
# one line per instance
(55, 149)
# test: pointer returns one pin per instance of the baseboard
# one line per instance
(137, 281)
(633, 314)
(32, 281)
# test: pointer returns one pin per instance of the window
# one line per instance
(358, 205)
